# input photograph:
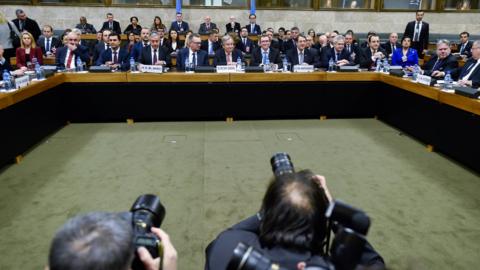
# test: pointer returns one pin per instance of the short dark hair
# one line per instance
(419, 10)
(93, 241)
(213, 31)
(109, 14)
(295, 28)
(293, 213)
(405, 37)
(465, 33)
(372, 35)
(133, 17)
(19, 11)
(115, 35)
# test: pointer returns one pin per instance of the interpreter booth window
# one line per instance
(348, 4)
(409, 4)
(461, 5)
(305, 4)
(215, 3)
(17, 1)
(72, 1)
(144, 2)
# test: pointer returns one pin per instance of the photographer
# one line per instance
(102, 240)
(290, 228)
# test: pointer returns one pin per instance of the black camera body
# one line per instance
(147, 212)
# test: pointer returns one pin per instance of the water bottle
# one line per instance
(378, 66)
(239, 64)
(187, 65)
(386, 66)
(448, 85)
(132, 65)
(285, 64)
(79, 64)
(416, 71)
(7, 83)
(266, 66)
(38, 71)
(331, 64)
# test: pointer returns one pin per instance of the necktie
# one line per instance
(20, 23)
(244, 42)
(110, 25)
(436, 65)
(265, 57)
(208, 26)
(462, 48)
(145, 44)
(154, 57)
(47, 48)
(337, 56)
(115, 57)
(210, 47)
(348, 49)
(194, 59)
(393, 48)
(417, 30)
(252, 28)
(300, 58)
(468, 72)
(69, 60)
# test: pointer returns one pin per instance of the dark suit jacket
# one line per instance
(242, 47)
(328, 54)
(288, 45)
(308, 57)
(256, 29)
(202, 58)
(204, 46)
(448, 64)
(221, 57)
(184, 28)
(116, 27)
(98, 50)
(273, 57)
(123, 58)
(203, 28)
(29, 25)
(86, 28)
(81, 52)
(388, 47)
(468, 48)
(459, 73)
(5, 65)
(130, 28)
(365, 57)
(146, 56)
(21, 58)
(235, 29)
(424, 34)
(54, 43)
(168, 45)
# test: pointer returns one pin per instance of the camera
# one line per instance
(248, 258)
(147, 212)
(281, 164)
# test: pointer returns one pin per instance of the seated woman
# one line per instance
(28, 51)
(405, 56)
(133, 26)
(173, 43)
(157, 25)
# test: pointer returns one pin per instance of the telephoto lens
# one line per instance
(248, 258)
(281, 164)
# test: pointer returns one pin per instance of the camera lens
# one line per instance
(247, 258)
(281, 164)
(149, 208)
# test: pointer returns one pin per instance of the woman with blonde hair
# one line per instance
(28, 51)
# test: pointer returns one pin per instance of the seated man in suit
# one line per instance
(274, 43)
(300, 55)
(264, 52)
(245, 44)
(179, 25)
(211, 45)
(292, 42)
(233, 26)
(193, 53)
(111, 25)
(469, 75)
(48, 43)
(391, 45)
(441, 63)
(228, 55)
(67, 56)
(465, 46)
(371, 54)
(4, 63)
(101, 46)
(85, 27)
(144, 42)
(253, 28)
(207, 26)
(115, 57)
(338, 54)
(315, 52)
(350, 47)
(154, 54)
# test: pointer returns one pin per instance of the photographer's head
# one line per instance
(293, 212)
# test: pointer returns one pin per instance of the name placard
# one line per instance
(151, 68)
(21, 81)
(424, 79)
(226, 69)
(303, 68)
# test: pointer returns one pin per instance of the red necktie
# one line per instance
(69, 60)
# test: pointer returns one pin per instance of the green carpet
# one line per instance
(425, 208)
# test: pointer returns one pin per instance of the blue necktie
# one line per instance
(265, 57)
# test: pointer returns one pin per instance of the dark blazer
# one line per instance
(256, 29)
(29, 25)
(221, 57)
(388, 47)
(81, 52)
(235, 29)
(202, 58)
(21, 58)
(215, 45)
(168, 45)
(137, 50)
(184, 28)
(86, 28)
(273, 56)
(467, 51)
(328, 54)
(6, 65)
(146, 56)
(423, 38)
(365, 57)
(308, 57)
(459, 73)
(243, 47)
(130, 28)
(98, 50)
(203, 28)
(54, 43)
(288, 45)
(448, 64)
(116, 27)
(123, 58)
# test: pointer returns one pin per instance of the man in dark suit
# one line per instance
(371, 54)
(228, 55)
(253, 28)
(245, 44)
(465, 46)
(292, 42)
(419, 31)
(314, 51)
(111, 25)
(155, 54)
(338, 54)
(469, 75)
(24, 23)
(101, 46)
(207, 26)
(392, 44)
(441, 63)
(300, 55)
(211, 45)
(260, 54)
(144, 42)
(350, 47)
(179, 25)
(274, 43)
(233, 26)
(4, 63)
(85, 27)
(115, 57)
(194, 54)
(67, 56)
(48, 43)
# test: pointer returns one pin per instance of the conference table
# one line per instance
(445, 122)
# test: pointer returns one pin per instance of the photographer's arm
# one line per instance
(169, 254)
(322, 182)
